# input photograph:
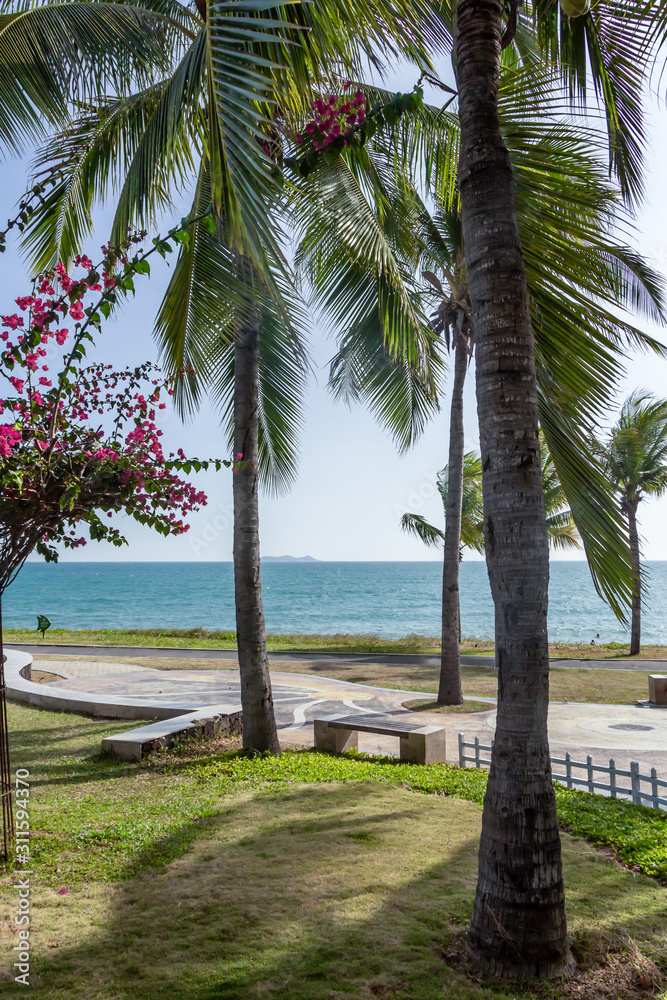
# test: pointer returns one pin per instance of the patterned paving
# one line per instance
(618, 731)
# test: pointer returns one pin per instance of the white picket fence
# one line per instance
(608, 786)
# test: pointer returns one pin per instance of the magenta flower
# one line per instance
(76, 311)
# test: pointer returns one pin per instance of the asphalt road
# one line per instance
(230, 654)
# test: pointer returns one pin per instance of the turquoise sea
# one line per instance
(390, 599)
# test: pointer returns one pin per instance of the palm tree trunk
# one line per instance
(449, 689)
(259, 725)
(518, 926)
(635, 627)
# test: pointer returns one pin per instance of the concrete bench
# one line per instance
(657, 689)
(136, 743)
(419, 744)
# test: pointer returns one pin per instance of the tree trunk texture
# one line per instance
(259, 724)
(636, 623)
(518, 926)
(449, 688)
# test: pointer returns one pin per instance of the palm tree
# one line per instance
(560, 524)
(518, 926)
(561, 371)
(635, 457)
(452, 318)
(577, 277)
(230, 316)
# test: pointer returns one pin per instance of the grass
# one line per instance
(207, 875)
(340, 643)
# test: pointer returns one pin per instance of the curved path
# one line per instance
(55, 649)
(129, 691)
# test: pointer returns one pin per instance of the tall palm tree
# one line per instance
(518, 925)
(562, 370)
(230, 316)
(635, 457)
(452, 318)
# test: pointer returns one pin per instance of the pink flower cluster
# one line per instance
(335, 117)
(90, 431)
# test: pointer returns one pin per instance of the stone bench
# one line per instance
(136, 743)
(657, 689)
(419, 744)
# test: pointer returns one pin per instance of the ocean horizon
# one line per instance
(389, 599)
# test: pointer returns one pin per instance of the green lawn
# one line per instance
(341, 643)
(206, 875)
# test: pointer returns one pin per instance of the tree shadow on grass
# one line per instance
(320, 892)
(58, 751)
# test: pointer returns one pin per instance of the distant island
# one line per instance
(289, 559)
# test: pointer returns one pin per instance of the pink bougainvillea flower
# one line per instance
(61, 337)
(63, 891)
(12, 322)
(109, 282)
(76, 311)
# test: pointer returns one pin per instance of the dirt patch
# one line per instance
(610, 966)
(45, 676)
(428, 705)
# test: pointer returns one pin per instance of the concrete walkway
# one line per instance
(620, 731)
(174, 652)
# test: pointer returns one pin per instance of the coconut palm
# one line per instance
(635, 457)
(230, 317)
(563, 371)
(518, 925)
(578, 276)
(560, 524)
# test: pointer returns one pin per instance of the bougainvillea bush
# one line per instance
(81, 441)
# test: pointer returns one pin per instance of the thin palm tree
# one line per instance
(635, 458)
(230, 316)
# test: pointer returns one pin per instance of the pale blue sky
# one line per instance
(353, 485)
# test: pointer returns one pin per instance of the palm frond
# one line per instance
(417, 525)
(53, 54)
(596, 512)
(195, 330)
(171, 140)
(395, 390)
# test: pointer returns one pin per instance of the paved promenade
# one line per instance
(619, 731)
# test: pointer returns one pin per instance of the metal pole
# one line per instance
(5, 767)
